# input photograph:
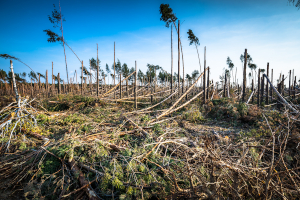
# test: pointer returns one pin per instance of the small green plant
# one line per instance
(145, 118)
(42, 119)
(86, 128)
(73, 118)
(242, 109)
(194, 116)
(157, 128)
(22, 146)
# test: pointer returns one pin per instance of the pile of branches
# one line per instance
(138, 155)
(132, 160)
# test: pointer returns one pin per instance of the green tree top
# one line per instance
(297, 5)
(125, 70)
(193, 38)
(167, 14)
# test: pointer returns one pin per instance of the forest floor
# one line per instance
(218, 150)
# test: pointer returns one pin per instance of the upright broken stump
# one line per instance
(58, 80)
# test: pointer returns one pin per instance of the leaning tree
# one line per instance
(194, 40)
(169, 17)
(56, 18)
(230, 65)
(297, 5)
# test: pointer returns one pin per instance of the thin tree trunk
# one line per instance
(81, 77)
(258, 87)
(267, 86)
(244, 76)
(171, 58)
(207, 83)
(262, 89)
(62, 33)
(115, 67)
(97, 73)
(178, 33)
(290, 83)
(204, 76)
(135, 85)
(58, 80)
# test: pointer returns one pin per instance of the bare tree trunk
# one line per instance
(262, 89)
(295, 87)
(171, 58)
(91, 80)
(115, 67)
(14, 82)
(282, 85)
(81, 77)
(135, 85)
(271, 91)
(178, 57)
(244, 76)
(252, 91)
(207, 83)
(120, 85)
(225, 84)
(47, 86)
(290, 83)
(267, 86)
(204, 92)
(58, 80)
(97, 73)
(52, 86)
(258, 87)
(62, 33)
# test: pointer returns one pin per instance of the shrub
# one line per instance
(242, 108)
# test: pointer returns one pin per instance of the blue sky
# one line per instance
(269, 29)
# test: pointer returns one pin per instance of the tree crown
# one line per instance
(167, 14)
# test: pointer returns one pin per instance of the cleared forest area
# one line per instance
(157, 135)
(147, 141)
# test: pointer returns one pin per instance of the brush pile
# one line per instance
(99, 150)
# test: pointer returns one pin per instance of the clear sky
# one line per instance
(269, 29)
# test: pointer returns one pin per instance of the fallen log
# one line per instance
(117, 85)
(140, 128)
(279, 95)
(183, 95)
(83, 182)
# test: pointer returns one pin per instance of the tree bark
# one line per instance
(244, 76)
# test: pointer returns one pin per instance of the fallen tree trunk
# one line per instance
(140, 128)
(183, 95)
(83, 182)
(279, 95)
